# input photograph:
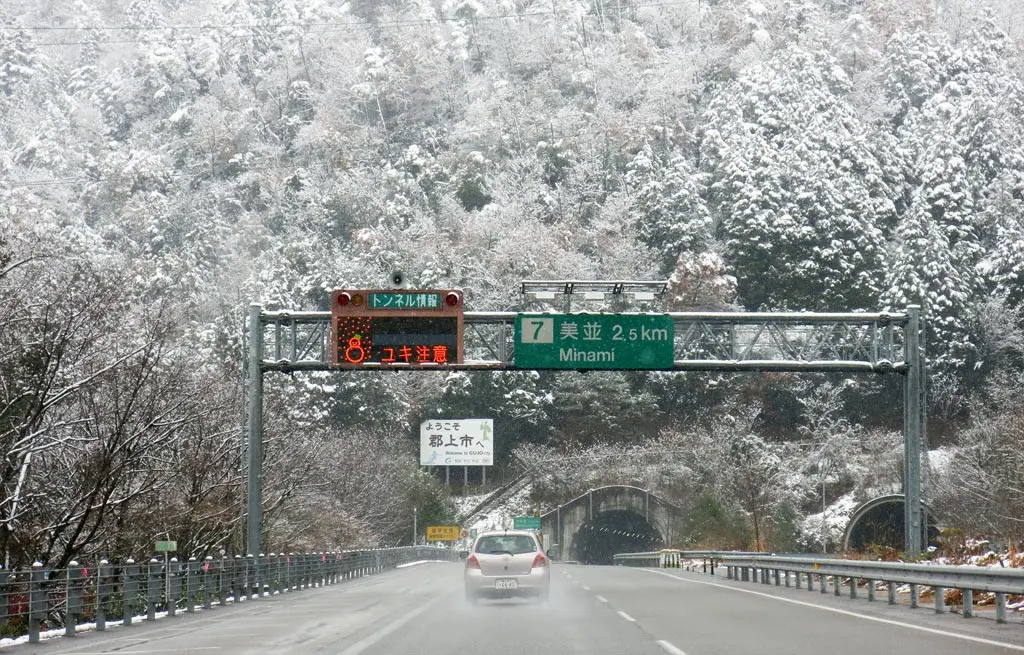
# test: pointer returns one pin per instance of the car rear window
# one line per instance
(516, 544)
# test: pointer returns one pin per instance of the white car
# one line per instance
(507, 563)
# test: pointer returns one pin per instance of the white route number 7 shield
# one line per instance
(538, 330)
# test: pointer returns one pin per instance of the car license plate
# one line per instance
(506, 583)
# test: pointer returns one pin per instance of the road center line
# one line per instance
(586, 588)
(627, 617)
(910, 626)
(602, 599)
(669, 648)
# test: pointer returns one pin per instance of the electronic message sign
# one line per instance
(393, 328)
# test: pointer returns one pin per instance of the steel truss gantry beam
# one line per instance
(290, 341)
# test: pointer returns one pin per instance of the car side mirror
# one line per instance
(552, 553)
(463, 554)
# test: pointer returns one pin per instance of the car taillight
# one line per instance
(472, 562)
(540, 560)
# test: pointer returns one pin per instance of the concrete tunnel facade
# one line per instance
(616, 518)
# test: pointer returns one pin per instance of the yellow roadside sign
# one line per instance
(442, 533)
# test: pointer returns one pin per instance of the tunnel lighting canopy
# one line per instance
(594, 289)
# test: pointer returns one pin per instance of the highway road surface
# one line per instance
(593, 610)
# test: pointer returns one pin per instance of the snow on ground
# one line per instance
(938, 460)
(837, 516)
(502, 515)
(422, 561)
(464, 504)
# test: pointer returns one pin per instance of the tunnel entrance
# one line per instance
(882, 525)
(615, 531)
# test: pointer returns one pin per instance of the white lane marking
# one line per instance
(586, 588)
(910, 626)
(669, 648)
(148, 650)
(602, 599)
(627, 617)
(366, 642)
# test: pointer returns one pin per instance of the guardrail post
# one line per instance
(968, 611)
(75, 594)
(131, 591)
(797, 583)
(208, 578)
(237, 577)
(871, 591)
(891, 590)
(263, 566)
(176, 575)
(153, 589)
(252, 576)
(191, 584)
(778, 574)
(223, 580)
(104, 590)
(279, 573)
(5, 578)
(853, 587)
(915, 596)
(37, 605)
(1000, 607)
(810, 582)
(837, 586)
(940, 600)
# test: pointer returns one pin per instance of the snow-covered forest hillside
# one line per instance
(163, 163)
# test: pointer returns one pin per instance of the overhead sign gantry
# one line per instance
(394, 329)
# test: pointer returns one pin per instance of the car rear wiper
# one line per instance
(501, 552)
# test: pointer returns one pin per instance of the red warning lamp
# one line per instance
(451, 299)
(344, 299)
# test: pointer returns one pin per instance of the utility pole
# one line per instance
(415, 531)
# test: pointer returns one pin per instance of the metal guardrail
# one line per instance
(40, 598)
(764, 568)
(669, 558)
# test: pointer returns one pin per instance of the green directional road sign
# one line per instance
(594, 341)
(526, 523)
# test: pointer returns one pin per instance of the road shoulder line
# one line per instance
(837, 610)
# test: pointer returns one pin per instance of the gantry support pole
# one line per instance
(254, 441)
(913, 428)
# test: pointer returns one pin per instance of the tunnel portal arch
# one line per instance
(880, 522)
(619, 518)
